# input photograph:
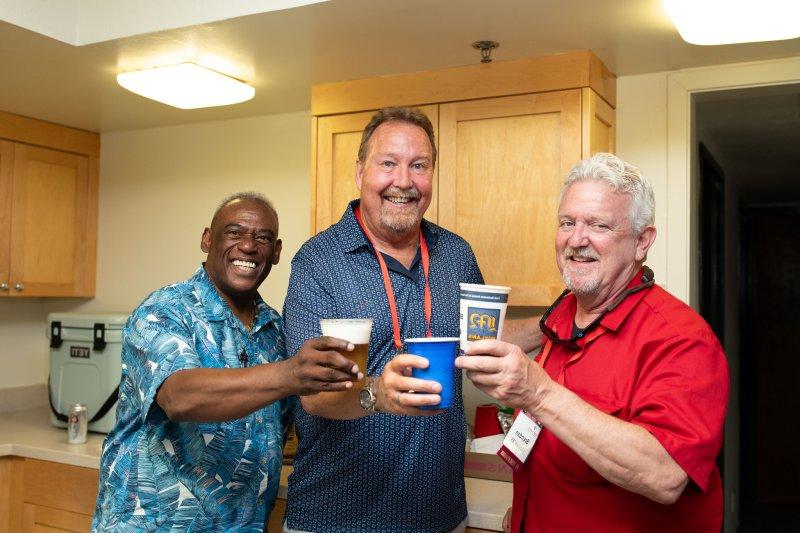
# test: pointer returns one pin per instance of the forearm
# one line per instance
(221, 394)
(339, 405)
(623, 453)
(524, 332)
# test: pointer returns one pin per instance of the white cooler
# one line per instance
(85, 366)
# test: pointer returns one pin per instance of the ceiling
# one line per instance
(282, 53)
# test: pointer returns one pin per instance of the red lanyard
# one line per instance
(387, 283)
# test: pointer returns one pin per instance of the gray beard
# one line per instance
(400, 224)
(587, 288)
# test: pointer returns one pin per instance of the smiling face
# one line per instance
(596, 250)
(242, 245)
(395, 180)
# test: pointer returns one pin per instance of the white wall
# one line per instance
(158, 190)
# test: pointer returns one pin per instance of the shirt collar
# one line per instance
(350, 237)
(563, 317)
(217, 309)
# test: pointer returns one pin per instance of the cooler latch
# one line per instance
(99, 337)
(55, 334)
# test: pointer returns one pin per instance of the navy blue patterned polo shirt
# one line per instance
(383, 472)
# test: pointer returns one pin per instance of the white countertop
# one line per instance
(30, 434)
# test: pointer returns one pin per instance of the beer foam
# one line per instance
(356, 331)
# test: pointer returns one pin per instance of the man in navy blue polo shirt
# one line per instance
(359, 466)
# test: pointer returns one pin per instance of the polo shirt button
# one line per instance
(259, 419)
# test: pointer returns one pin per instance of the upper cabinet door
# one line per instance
(337, 138)
(502, 163)
(599, 125)
(6, 170)
(52, 224)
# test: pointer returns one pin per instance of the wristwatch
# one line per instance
(367, 397)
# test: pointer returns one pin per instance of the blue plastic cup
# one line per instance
(441, 355)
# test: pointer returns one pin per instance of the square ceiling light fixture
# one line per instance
(187, 86)
(734, 21)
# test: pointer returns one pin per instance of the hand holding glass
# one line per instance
(354, 330)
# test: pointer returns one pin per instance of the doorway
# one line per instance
(748, 272)
(770, 369)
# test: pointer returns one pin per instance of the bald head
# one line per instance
(243, 197)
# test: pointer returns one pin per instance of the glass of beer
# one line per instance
(355, 330)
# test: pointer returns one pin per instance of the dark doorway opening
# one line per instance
(770, 395)
(711, 260)
(712, 242)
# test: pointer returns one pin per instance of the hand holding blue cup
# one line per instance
(441, 355)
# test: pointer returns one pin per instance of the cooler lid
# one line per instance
(96, 328)
(88, 320)
(111, 321)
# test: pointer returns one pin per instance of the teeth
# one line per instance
(247, 264)
(398, 199)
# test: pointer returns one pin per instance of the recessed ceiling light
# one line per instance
(187, 86)
(734, 21)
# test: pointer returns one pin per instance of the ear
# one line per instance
(276, 252)
(205, 240)
(644, 241)
(359, 174)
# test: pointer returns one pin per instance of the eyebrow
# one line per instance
(235, 225)
(397, 156)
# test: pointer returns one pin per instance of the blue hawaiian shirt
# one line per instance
(158, 475)
(383, 472)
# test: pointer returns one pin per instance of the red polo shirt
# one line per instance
(652, 362)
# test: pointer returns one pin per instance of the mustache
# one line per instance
(582, 252)
(412, 193)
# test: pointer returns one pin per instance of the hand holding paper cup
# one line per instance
(482, 311)
(441, 355)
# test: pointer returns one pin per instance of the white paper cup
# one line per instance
(482, 311)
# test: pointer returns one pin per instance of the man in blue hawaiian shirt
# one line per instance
(205, 391)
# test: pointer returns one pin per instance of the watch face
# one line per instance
(366, 399)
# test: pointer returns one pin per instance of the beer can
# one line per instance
(77, 423)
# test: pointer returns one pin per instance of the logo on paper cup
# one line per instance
(482, 323)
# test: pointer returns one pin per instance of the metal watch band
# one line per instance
(366, 396)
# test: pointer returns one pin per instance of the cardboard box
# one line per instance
(486, 466)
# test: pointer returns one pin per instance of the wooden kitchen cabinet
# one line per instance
(48, 209)
(275, 523)
(45, 496)
(507, 132)
(502, 163)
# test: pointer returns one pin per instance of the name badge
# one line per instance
(519, 441)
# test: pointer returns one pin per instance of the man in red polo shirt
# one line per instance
(621, 414)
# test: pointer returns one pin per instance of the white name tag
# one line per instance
(519, 441)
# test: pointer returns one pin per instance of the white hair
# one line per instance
(623, 178)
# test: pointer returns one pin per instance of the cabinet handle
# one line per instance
(19, 286)
(4, 287)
